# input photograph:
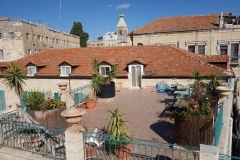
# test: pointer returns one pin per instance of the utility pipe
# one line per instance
(231, 128)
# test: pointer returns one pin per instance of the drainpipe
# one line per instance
(230, 144)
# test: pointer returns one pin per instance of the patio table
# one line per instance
(181, 102)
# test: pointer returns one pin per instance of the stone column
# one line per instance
(74, 141)
(209, 152)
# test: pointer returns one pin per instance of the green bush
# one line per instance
(35, 101)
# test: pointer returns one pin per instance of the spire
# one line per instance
(121, 22)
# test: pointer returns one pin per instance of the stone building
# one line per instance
(139, 67)
(118, 38)
(20, 38)
(211, 34)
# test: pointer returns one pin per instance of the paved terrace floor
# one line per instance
(144, 110)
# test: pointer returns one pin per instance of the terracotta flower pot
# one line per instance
(124, 151)
(90, 152)
(90, 104)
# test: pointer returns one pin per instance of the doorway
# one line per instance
(136, 76)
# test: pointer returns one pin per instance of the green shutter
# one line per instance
(22, 101)
(78, 97)
(2, 99)
(57, 97)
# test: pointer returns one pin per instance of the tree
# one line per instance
(14, 78)
(77, 30)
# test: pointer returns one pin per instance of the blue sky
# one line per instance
(101, 16)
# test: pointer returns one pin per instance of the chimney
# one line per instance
(221, 21)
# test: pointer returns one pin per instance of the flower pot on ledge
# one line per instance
(224, 92)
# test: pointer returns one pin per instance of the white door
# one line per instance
(136, 76)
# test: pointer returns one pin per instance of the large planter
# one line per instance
(118, 86)
(107, 91)
(193, 131)
(50, 117)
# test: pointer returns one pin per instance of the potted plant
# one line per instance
(215, 81)
(95, 86)
(117, 128)
(107, 86)
(45, 110)
(194, 121)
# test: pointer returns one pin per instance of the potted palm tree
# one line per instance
(215, 81)
(117, 128)
(107, 86)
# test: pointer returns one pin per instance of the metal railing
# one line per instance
(44, 140)
(103, 146)
(218, 125)
(227, 157)
(76, 95)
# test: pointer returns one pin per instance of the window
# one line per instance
(42, 38)
(1, 54)
(29, 51)
(27, 36)
(31, 70)
(201, 49)
(0, 35)
(36, 51)
(46, 39)
(39, 38)
(34, 37)
(191, 48)
(56, 40)
(65, 70)
(53, 40)
(104, 69)
(234, 50)
(223, 48)
(11, 35)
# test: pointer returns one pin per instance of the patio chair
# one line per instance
(92, 138)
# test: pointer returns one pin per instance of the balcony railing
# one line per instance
(234, 60)
(218, 125)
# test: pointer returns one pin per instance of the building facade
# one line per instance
(118, 38)
(138, 66)
(22, 38)
(212, 34)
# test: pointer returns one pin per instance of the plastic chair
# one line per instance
(92, 138)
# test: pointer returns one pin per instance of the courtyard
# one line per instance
(144, 110)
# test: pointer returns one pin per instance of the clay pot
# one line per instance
(90, 152)
(90, 104)
(124, 151)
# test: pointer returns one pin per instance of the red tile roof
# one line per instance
(181, 23)
(168, 61)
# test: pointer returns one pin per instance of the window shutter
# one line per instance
(78, 97)
(57, 97)
(2, 99)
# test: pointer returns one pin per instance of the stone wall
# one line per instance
(42, 85)
(12, 47)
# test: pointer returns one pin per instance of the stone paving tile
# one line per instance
(144, 110)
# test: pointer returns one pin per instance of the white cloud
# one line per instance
(109, 5)
(123, 6)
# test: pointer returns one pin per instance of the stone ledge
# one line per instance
(106, 99)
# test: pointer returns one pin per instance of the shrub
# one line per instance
(34, 100)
